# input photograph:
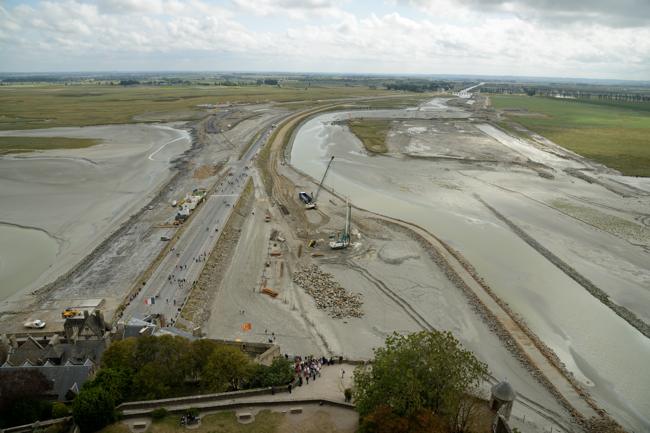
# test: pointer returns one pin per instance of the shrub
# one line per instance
(59, 410)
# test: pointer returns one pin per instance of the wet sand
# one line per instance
(599, 347)
(74, 198)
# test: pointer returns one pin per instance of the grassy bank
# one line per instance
(372, 133)
(29, 107)
(30, 144)
(617, 135)
(223, 422)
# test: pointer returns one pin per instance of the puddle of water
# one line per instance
(24, 255)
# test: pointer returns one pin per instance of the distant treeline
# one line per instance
(35, 79)
(598, 93)
(144, 82)
(422, 86)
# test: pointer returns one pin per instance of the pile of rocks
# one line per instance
(328, 294)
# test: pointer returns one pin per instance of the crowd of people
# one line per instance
(309, 368)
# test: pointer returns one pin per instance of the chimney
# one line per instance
(100, 319)
(54, 340)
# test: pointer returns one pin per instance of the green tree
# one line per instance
(280, 372)
(148, 385)
(423, 370)
(169, 355)
(225, 369)
(200, 350)
(93, 409)
(120, 355)
(59, 410)
(118, 383)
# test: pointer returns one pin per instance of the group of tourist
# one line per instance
(309, 368)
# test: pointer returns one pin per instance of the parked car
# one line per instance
(35, 324)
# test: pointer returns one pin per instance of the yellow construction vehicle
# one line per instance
(70, 312)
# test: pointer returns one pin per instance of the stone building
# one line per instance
(67, 360)
(502, 398)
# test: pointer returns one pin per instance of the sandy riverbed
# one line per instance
(59, 204)
(523, 182)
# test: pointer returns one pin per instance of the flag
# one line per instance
(150, 301)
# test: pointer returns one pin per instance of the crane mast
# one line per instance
(344, 240)
(312, 204)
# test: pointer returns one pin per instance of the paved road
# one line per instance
(466, 93)
(171, 282)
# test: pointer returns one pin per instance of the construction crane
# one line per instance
(312, 203)
(344, 239)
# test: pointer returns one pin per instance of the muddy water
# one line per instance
(25, 254)
(79, 196)
(600, 348)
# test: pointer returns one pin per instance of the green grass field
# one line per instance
(372, 133)
(222, 422)
(617, 135)
(29, 144)
(29, 107)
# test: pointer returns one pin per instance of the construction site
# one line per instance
(273, 226)
(352, 255)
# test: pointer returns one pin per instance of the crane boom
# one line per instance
(312, 203)
(320, 185)
(346, 235)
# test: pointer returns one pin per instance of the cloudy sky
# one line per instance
(559, 38)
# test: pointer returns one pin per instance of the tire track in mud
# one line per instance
(399, 300)
(496, 327)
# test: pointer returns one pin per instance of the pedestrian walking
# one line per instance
(342, 373)
(289, 388)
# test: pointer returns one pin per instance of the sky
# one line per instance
(550, 38)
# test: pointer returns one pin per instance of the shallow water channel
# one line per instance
(602, 350)
(25, 254)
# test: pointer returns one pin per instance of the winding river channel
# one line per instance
(604, 352)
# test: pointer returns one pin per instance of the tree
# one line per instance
(117, 382)
(280, 372)
(93, 409)
(59, 410)
(200, 350)
(21, 397)
(155, 365)
(170, 356)
(147, 384)
(120, 355)
(225, 369)
(424, 370)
